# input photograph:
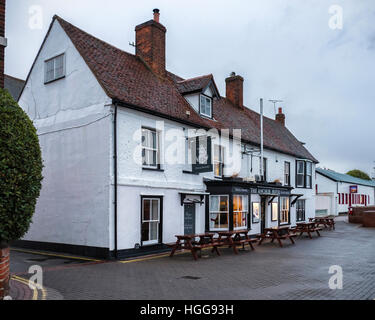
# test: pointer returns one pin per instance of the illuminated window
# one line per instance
(240, 211)
(218, 161)
(275, 211)
(219, 213)
(284, 210)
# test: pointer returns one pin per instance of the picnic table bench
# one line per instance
(327, 221)
(308, 227)
(279, 233)
(235, 238)
(188, 242)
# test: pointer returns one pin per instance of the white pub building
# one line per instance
(135, 154)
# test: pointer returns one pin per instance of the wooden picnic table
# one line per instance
(236, 237)
(327, 221)
(307, 227)
(188, 242)
(279, 233)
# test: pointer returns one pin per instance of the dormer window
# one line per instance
(54, 68)
(205, 106)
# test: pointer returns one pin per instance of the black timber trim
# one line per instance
(87, 251)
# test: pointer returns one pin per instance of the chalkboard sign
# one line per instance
(189, 219)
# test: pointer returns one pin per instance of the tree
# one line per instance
(359, 174)
(20, 170)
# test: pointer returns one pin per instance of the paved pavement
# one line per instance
(299, 271)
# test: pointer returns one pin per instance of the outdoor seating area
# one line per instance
(326, 221)
(239, 238)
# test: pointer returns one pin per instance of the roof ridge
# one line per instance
(58, 18)
(195, 78)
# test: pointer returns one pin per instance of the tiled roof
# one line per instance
(193, 84)
(127, 78)
(340, 177)
(13, 85)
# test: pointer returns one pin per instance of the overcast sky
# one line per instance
(284, 49)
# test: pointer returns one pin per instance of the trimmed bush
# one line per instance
(20, 169)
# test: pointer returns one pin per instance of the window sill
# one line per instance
(47, 82)
(152, 169)
(190, 172)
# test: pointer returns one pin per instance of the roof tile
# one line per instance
(127, 78)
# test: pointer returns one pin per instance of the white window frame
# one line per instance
(286, 173)
(147, 150)
(211, 212)
(308, 175)
(300, 174)
(245, 199)
(284, 212)
(206, 98)
(54, 59)
(155, 241)
(301, 209)
(219, 162)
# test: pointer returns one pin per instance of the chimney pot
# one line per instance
(150, 44)
(280, 117)
(156, 15)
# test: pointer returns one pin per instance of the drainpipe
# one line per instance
(115, 176)
(261, 141)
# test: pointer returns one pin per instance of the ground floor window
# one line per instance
(284, 210)
(240, 211)
(151, 212)
(300, 210)
(219, 212)
(275, 211)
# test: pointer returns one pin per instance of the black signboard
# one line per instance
(189, 218)
(202, 157)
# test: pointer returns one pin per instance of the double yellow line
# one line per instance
(32, 286)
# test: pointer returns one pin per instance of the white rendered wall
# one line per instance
(73, 121)
(134, 181)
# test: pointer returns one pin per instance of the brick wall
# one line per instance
(234, 90)
(150, 45)
(4, 272)
(364, 215)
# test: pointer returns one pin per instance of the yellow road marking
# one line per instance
(54, 255)
(33, 285)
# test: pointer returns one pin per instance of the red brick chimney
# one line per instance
(3, 41)
(150, 43)
(280, 117)
(234, 90)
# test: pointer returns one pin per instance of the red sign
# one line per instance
(353, 189)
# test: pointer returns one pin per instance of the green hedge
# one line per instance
(20, 169)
